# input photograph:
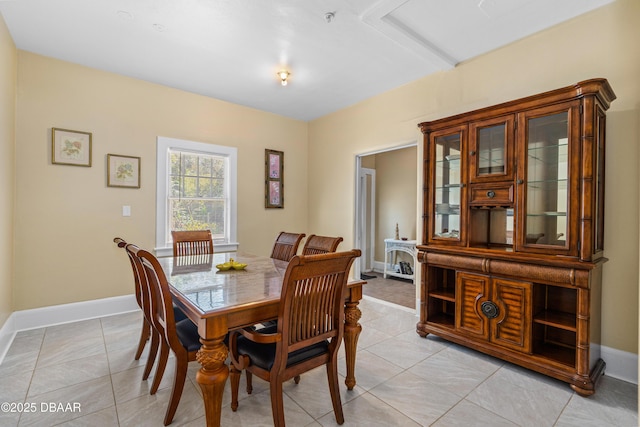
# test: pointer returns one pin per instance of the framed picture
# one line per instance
(123, 171)
(274, 177)
(70, 147)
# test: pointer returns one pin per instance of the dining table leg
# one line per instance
(212, 377)
(352, 331)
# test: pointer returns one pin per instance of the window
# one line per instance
(196, 189)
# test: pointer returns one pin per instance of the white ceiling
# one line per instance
(232, 49)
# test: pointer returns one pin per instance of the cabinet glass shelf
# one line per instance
(547, 214)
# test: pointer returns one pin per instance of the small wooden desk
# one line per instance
(219, 301)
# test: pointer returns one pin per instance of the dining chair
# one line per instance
(180, 337)
(196, 242)
(145, 332)
(308, 333)
(286, 245)
(148, 332)
(320, 244)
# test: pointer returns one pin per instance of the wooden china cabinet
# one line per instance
(511, 253)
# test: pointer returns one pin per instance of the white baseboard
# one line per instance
(378, 267)
(58, 314)
(7, 332)
(620, 364)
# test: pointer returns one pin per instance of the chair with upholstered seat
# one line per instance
(286, 245)
(148, 332)
(320, 244)
(196, 242)
(145, 332)
(181, 337)
(308, 333)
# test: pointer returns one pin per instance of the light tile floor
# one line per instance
(402, 380)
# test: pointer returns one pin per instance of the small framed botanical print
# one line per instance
(70, 147)
(123, 171)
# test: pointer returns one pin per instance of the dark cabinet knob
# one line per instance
(489, 309)
(519, 181)
(491, 194)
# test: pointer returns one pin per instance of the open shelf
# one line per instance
(558, 353)
(556, 319)
(443, 319)
(447, 295)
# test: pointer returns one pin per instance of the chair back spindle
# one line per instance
(197, 242)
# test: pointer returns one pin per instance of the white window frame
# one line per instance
(165, 144)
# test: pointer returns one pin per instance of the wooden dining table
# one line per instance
(220, 301)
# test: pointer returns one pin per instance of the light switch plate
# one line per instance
(126, 210)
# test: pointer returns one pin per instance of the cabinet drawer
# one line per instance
(499, 194)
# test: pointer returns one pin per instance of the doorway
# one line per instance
(386, 198)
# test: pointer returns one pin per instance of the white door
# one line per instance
(367, 217)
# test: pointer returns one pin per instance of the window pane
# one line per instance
(218, 166)
(175, 166)
(197, 198)
(205, 166)
(190, 214)
(217, 188)
(204, 187)
(189, 188)
(174, 186)
(189, 164)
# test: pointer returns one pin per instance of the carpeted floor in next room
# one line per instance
(397, 291)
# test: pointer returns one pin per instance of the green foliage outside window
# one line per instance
(197, 197)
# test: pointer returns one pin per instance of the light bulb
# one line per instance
(284, 74)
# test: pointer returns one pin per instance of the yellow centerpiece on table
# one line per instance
(231, 264)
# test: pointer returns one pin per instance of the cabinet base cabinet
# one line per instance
(530, 318)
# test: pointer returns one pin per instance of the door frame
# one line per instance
(358, 214)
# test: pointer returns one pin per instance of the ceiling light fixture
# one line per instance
(284, 75)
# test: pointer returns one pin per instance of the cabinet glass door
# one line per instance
(547, 183)
(448, 186)
(490, 149)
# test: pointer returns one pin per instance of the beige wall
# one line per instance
(66, 217)
(8, 71)
(396, 181)
(598, 44)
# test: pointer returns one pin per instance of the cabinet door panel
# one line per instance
(512, 327)
(491, 149)
(471, 291)
(448, 186)
(547, 168)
